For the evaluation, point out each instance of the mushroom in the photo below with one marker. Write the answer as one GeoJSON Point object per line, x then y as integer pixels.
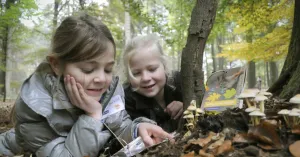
{"type": "Point", "coordinates": [285, 114]}
{"type": "Point", "coordinates": [251, 109]}
{"type": "Point", "coordinates": [190, 126]}
{"type": "Point", "coordinates": [261, 99]}
{"type": "Point", "coordinates": [296, 100]}
{"type": "Point", "coordinates": [255, 115]}
{"type": "Point", "coordinates": [186, 112]}
{"type": "Point", "coordinates": [293, 118]}
{"type": "Point", "coordinates": [267, 94]}
{"type": "Point", "coordinates": [191, 108]}
{"type": "Point", "coordinates": [246, 95]}
{"type": "Point", "coordinates": [199, 112]}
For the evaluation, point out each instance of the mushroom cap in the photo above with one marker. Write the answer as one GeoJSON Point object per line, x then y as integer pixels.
{"type": "Point", "coordinates": [191, 108]}
{"type": "Point", "coordinates": [294, 114]}
{"type": "Point", "coordinates": [296, 110]}
{"type": "Point", "coordinates": [186, 112]}
{"type": "Point", "coordinates": [260, 98]}
{"type": "Point", "coordinates": [295, 99]}
{"type": "Point", "coordinates": [185, 117]}
{"type": "Point", "coordinates": [248, 93]}
{"type": "Point", "coordinates": [189, 124]}
{"type": "Point", "coordinates": [265, 93]}
{"type": "Point", "coordinates": [197, 114]}
{"type": "Point", "coordinates": [193, 103]}
{"type": "Point", "coordinates": [284, 112]}
{"type": "Point", "coordinates": [251, 109]}
{"type": "Point", "coordinates": [199, 110]}
{"type": "Point", "coordinates": [257, 113]}
{"type": "Point", "coordinates": [190, 116]}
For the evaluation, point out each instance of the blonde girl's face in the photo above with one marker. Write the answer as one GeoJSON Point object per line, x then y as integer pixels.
{"type": "Point", "coordinates": [94, 75]}
{"type": "Point", "coordinates": [148, 71]}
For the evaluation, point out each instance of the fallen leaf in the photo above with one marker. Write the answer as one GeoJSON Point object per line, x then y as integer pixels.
{"type": "Point", "coordinates": [294, 149]}
{"type": "Point", "coordinates": [225, 148]}
{"type": "Point", "coordinates": [202, 153]}
{"type": "Point", "coordinates": [296, 130]}
{"type": "Point", "coordinates": [202, 141]}
{"type": "Point", "coordinates": [265, 133]}
{"type": "Point", "coordinates": [217, 143]}
{"type": "Point", "coordinates": [242, 138]}
{"type": "Point", "coordinates": [190, 154]}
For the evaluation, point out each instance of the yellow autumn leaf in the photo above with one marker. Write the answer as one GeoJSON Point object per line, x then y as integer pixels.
{"type": "Point", "coordinates": [213, 97]}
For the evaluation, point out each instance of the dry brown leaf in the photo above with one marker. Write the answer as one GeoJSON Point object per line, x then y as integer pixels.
{"type": "Point", "coordinates": [190, 154]}
{"type": "Point", "coordinates": [202, 153]}
{"type": "Point", "coordinates": [241, 138]}
{"type": "Point", "coordinates": [296, 130]}
{"type": "Point", "coordinates": [265, 133]}
{"type": "Point", "coordinates": [294, 149]}
{"type": "Point", "coordinates": [224, 148]}
{"type": "Point", "coordinates": [202, 141]}
{"type": "Point", "coordinates": [217, 143]}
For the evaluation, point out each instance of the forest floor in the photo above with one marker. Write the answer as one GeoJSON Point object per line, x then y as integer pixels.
{"type": "Point", "coordinates": [229, 134]}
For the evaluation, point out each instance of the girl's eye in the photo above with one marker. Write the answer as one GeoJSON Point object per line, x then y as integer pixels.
{"type": "Point", "coordinates": [136, 73]}
{"type": "Point", "coordinates": [108, 71]}
{"type": "Point", "coordinates": [87, 71]}
{"type": "Point", "coordinates": [152, 69]}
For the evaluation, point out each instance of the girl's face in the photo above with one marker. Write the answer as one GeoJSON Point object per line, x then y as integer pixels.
{"type": "Point", "coordinates": [94, 75]}
{"type": "Point", "coordinates": [149, 72]}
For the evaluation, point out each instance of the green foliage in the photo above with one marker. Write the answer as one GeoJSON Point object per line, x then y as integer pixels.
{"type": "Point", "coordinates": [271, 26]}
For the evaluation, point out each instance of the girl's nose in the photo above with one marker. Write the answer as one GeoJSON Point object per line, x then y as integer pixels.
{"type": "Point", "coordinates": [145, 76]}
{"type": "Point", "coordinates": [100, 77]}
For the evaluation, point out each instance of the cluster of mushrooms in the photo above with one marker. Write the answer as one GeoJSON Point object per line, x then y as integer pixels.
{"type": "Point", "coordinates": [192, 114]}
{"type": "Point", "coordinates": [254, 99]}
{"type": "Point", "coordinates": [292, 117]}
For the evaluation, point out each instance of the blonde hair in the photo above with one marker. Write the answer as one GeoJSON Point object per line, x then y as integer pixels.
{"type": "Point", "coordinates": [137, 44]}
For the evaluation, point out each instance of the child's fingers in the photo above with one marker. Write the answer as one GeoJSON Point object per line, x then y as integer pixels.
{"type": "Point", "coordinates": [69, 88]}
{"type": "Point", "coordinates": [179, 113]}
{"type": "Point", "coordinates": [75, 92]}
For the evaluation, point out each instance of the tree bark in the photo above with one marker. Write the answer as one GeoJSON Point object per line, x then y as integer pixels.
{"type": "Point", "coordinates": [287, 85]}
{"type": "Point", "coordinates": [273, 72]}
{"type": "Point", "coordinates": [213, 56]}
{"type": "Point", "coordinates": [202, 19]}
{"type": "Point", "coordinates": [220, 41]}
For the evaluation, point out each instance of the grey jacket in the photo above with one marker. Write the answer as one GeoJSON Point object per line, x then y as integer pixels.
{"type": "Point", "coordinates": [47, 124]}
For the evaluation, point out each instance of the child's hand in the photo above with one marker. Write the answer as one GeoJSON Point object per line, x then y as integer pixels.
{"type": "Point", "coordinates": [152, 134]}
{"type": "Point", "coordinates": [79, 98]}
{"type": "Point", "coordinates": [175, 109]}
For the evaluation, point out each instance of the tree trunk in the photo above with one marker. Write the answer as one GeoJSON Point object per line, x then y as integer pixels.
{"type": "Point", "coordinates": [213, 56]}
{"type": "Point", "coordinates": [221, 61]}
{"type": "Point", "coordinates": [287, 85]}
{"type": "Point", "coordinates": [251, 74]}
{"type": "Point", "coordinates": [127, 27]}
{"type": "Point", "coordinates": [3, 83]}
{"type": "Point", "coordinates": [268, 75]}
{"type": "Point", "coordinates": [202, 19]}
{"type": "Point", "coordinates": [55, 15]}
{"type": "Point", "coordinates": [273, 72]}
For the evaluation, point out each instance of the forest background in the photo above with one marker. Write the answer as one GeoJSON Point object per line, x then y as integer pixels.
{"type": "Point", "coordinates": [252, 32]}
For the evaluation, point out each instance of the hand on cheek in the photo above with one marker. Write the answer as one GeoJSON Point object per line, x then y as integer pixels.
{"type": "Point", "coordinates": [79, 98]}
{"type": "Point", "coordinates": [175, 109]}
{"type": "Point", "coordinates": [152, 134]}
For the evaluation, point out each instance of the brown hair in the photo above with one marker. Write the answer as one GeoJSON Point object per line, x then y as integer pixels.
{"type": "Point", "coordinates": [80, 38]}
